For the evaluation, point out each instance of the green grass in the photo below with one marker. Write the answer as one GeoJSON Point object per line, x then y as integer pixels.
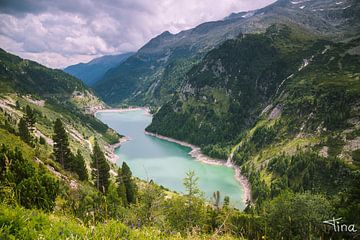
{"type": "Point", "coordinates": [15, 141]}
{"type": "Point", "coordinates": [19, 223]}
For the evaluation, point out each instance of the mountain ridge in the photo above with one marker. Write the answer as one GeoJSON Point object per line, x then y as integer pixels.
{"type": "Point", "coordinates": [142, 80]}
{"type": "Point", "coordinates": [94, 70]}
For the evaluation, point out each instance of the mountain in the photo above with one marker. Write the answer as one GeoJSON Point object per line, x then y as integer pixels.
{"type": "Point", "coordinates": [94, 70]}
{"type": "Point", "coordinates": [283, 105]}
{"type": "Point", "coordinates": [54, 93]}
{"type": "Point", "coordinates": [155, 73]}
{"type": "Point", "coordinates": [25, 76]}
{"type": "Point", "coordinates": [44, 117]}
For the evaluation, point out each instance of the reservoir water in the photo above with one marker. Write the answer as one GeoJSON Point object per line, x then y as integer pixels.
{"type": "Point", "coordinates": [166, 163]}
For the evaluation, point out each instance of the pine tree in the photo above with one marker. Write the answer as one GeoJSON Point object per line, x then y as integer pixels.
{"type": "Point", "coordinates": [78, 166]}
{"type": "Point", "coordinates": [121, 188]}
{"type": "Point", "coordinates": [191, 185]}
{"type": "Point", "coordinates": [17, 104]}
{"type": "Point", "coordinates": [24, 132]}
{"type": "Point", "coordinates": [130, 186]}
{"type": "Point", "coordinates": [100, 169]}
{"type": "Point", "coordinates": [30, 118]}
{"type": "Point", "coordinates": [61, 145]}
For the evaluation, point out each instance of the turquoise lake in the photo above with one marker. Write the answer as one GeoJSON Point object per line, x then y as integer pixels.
{"type": "Point", "coordinates": [165, 162]}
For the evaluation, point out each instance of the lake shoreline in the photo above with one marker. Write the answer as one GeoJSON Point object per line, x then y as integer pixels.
{"type": "Point", "coordinates": [195, 151]}
{"type": "Point", "coordinates": [201, 157]}
{"type": "Point", "coordinates": [112, 110]}
{"type": "Point", "coordinates": [111, 148]}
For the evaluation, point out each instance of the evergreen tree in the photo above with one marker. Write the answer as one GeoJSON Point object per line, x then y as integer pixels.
{"type": "Point", "coordinates": [226, 202]}
{"type": "Point", "coordinates": [191, 185]}
{"type": "Point", "coordinates": [17, 104]}
{"type": "Point", "coordinates": [42, 140]}
{"type": "Point", "coordinates": [130, 186]}
{"type": "Point", "coordinates": [78, 166]}
{"type": "Point", "coordinates": [30, 118]}
{"type": "Point", "coordinates": [113, 201]}
{"type": "Point", "coordinates": [121, 187]}
{"type": "Point", "coordinates": [100, 169]}
{"type": "Point", "coordinates": [61, 145]}
{"type": "Point", "coordinates": [24, 132]}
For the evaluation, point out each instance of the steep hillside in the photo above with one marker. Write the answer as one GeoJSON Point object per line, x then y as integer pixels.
{"type": "Point", "coordinates": [224, 94]}
{"type": "Point", "coordinates": [52, 94]}
{"type": "Point", "coordinates": [94, 70]}
{"type": "Point", "coordinates": [156, 71]}
{"type": "Point", "coordinates": [52, 162]}
{"type": "Point", "coordinates": [283, 105]}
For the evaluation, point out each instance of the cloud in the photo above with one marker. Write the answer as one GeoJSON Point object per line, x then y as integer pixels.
{"type": "Point", "coordinates": [59, 33]}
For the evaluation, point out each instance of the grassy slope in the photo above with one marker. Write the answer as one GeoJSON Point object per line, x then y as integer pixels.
{"type": "Point", "coordinates": [31, 224]}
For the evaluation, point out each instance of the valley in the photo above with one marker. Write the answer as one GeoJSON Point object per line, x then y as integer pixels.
{"type": "Point", "coordinates": [167, 163]}
{"type": "Point", "coordinates": [247, 127]}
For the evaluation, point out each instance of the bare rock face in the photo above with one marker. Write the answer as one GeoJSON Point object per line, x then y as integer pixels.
{"type": "Point", "coordinates": [275, 113]}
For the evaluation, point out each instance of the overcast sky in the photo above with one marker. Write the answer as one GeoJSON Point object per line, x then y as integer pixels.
{"type": "Point", "coordinates": [58, 33]}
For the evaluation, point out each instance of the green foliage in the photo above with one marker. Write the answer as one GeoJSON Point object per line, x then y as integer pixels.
{"type": "Point", "coordinates": [191, 185]}
{"type": "Point", "coordinates": [149, 210]}
{"type": "Point", "coordinates": [335, 145]}
{"type": "Point", "coordinates": [24, 132]}
{"type": "Point", "coordinates": [38, 79]}
{"type": "Point", "coordinates": [33, 188]}
{"type": "Point", "coordinates": [42, 140]}
{"type": "Point", "coordinates": [19, 223]}
{"type": "Point", "coordinates": [77, 165]}
{"type": "Point", "coordinates": [297, 216]}
{"type": "Point", "coordinates": [100, 169]}
{"type": "Point", "coordinates": [61, 145]}
{"type": "Point", "coordinates": [348, 204]}
{"type": "Point", "coordinates": [216, 151]}
{"type": "Point", "coordinates": [309, 172]}
{"type": "Point", "coordinates": [125, 178]}
{"type": "Point", "coordinates": [356, 156]}
{"type": "Point", "coordinates": [121, 188]}
{"type": "Point", "coordinates": [183, 216]}
{"type": "Point", "coordinates": [260, 190]}
{"type": "Point", "coordinates": [262, 137]}
{"type": "Point", "coordinates": [225, 93]}
{"type": "Point", "coordinates": [27, 125]}
{"type": "Point", "coordinates": [38, 191]}
{"type": "Point", "coordinates": [30, 118]}
{"type": "Point", "coordinates": [113, 202]}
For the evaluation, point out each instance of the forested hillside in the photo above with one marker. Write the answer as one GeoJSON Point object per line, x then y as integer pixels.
{"type": "Point", "coordinates": [283, 105]}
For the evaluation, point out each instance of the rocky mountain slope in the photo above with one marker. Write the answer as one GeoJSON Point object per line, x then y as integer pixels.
{"type": "Point", "coordinates": [94, 70]}
{"type": "Point", "coordinates": [157, 70]}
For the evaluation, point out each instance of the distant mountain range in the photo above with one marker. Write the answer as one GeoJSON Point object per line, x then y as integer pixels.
{"type": "Point", "coordinates": [94, 70]}
{"type": "Point", "coordinates": [155, 73]}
